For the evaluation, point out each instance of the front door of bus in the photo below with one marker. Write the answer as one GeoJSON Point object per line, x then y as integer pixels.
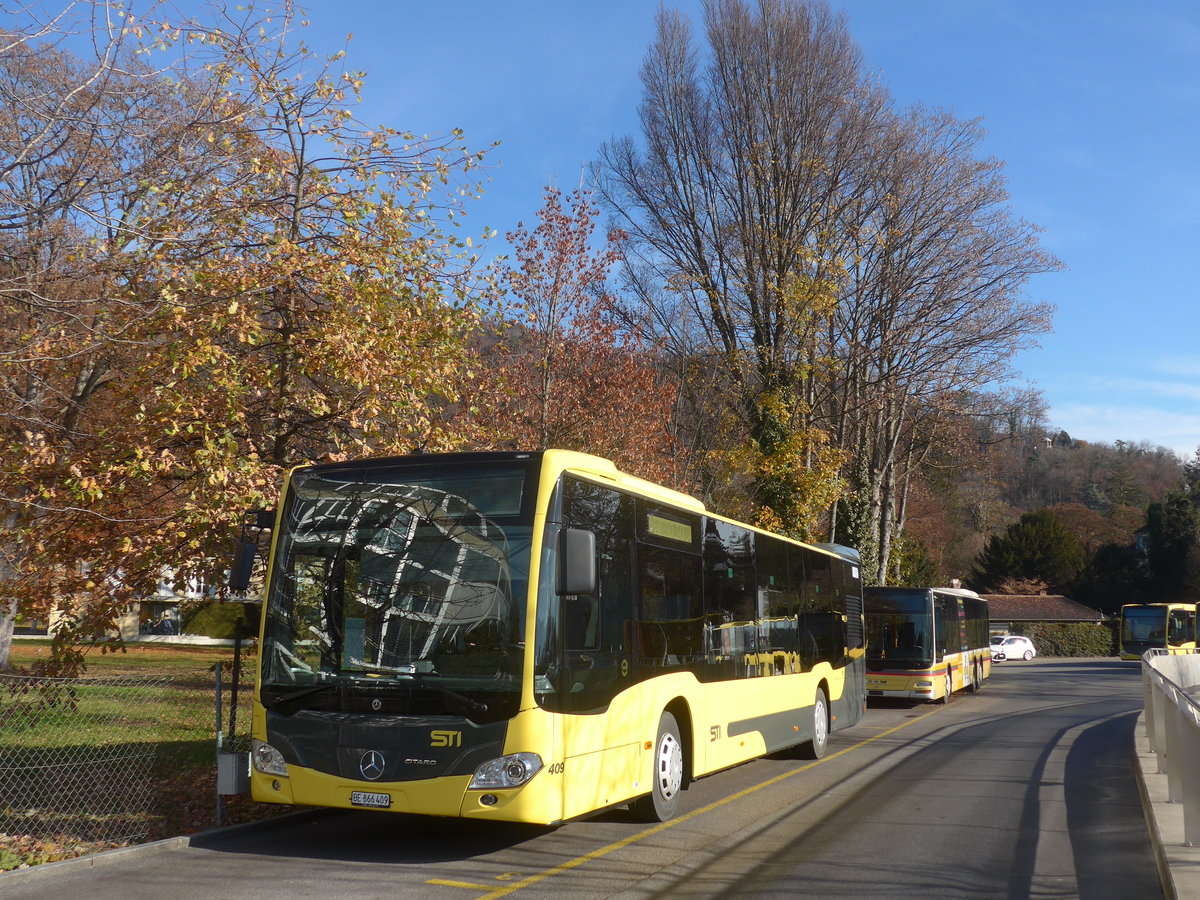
{"type": "Point", "coordinates": [599, 754]}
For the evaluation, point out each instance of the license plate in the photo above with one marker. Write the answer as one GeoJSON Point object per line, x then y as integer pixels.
{"type": "Point", "coordinates": [366, 798]}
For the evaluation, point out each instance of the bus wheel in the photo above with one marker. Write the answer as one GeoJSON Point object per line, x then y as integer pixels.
{"type": "Point", "coordinates": [662, 801]}
{"type": "Point", "coordinates": [949, 687]}
{"type": "Point", "coordinates": [976, 679]}
{"type": "Point", "coordinates": [815, 748]}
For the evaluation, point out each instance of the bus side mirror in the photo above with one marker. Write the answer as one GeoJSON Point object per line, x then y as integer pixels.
{"type": "Point", "coordinates": [576, 562]}
{"type": "Point", "coordinates": [243, 565]}
{"type": "Point", "coordinates": [247, 549]}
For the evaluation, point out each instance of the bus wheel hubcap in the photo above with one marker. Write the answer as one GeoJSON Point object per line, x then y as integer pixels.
{"type": "Point", "coordinates": [670, 766]}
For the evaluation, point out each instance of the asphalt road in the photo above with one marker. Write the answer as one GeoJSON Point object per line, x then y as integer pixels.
{"type": "Point", "coordinates": [1024, 790]}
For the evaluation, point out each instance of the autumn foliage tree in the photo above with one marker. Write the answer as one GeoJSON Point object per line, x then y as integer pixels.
{"type": "Point", "coordinates": [254, 279]}
{"type": "Point", "coordinates": [560, 371]}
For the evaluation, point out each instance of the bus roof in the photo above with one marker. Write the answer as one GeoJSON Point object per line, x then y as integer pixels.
{"type": "Point", "coordinates": [956, 592]}
{"type": "Point", "coordinates": [558, 461]}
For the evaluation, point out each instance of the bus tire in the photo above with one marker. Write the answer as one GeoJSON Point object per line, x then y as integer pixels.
{"type": "Point", "coordinates": [976, 679]}
{"type": "Point", "coordinates": [949, 687]}
{"type": "Point", "coordinates": [667, 781]}
{"type": "Point", "coordinates": [816, 748]}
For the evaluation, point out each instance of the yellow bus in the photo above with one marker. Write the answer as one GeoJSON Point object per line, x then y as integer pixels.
{"type": "Point", "coordinates": [532, 637]}
{"type": "Point", "coordinates": [1164, 625]}
{"type": "Point", "coordinates": [925, 643]}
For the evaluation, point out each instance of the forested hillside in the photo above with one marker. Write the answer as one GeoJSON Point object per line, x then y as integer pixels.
{"type": "Point", "coordinates": [1102, 495]}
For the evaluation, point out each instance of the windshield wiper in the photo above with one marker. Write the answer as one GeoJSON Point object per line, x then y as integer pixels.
{"type": "Point", "coordinates": [410, 671]}
{"type": "Point", "coordinates": [305, 691]}
{"type": "Point", "coordinates": [469, 702]}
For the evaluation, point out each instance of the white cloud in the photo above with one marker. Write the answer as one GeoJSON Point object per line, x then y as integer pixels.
{"type": "Point", "coordinates": [1108, 423]}
{"type": "Point", "coordinates": [1146, 388]}
{"type": "Point", "coordinates": [1181, 366]}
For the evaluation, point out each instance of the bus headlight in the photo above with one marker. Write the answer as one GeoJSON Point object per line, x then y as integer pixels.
{"type": "Point", "coordinates": [267, 759]}
{"type": "Point", "coordinates": [506, 772]}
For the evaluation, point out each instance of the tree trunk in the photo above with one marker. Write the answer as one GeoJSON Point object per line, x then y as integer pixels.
{"type": "Point", "coordinates": [8, 619]}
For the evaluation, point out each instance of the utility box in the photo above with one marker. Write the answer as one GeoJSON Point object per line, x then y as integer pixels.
{"type": "Point", "coordinates": [233, 773]}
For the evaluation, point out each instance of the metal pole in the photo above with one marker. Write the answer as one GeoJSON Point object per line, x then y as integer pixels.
{"type": "Point", "coordinates": [1159, 718]}
{"type": "Point", "coordinates": [237, 673]}
{"type": "Point", "coordinates": [1148, 701]}
{"type": "Point", "coordinates": [1175, 724]}
{"type": "Point", "coordinates": [1189, 741]}
{"type": "Point", "coordinates": [220, 801]}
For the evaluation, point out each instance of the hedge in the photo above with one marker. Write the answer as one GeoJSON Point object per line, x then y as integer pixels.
{"type": "Point", "coordinates": [1076, 639]}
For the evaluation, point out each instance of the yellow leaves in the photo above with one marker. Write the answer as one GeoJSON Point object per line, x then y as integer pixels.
{"type": "Point", "coordinates": [253, 326]}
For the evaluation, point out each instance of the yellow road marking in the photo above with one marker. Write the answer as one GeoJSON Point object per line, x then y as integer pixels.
{"type": "Point", "coordinates": [442, 882]}
{"type": "Point", "coordinates": [671, 823]}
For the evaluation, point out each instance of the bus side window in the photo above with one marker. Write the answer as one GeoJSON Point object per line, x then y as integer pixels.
{"type": "Point", "coordinates": [1179, 630]}
{"type": "Point", "coordinates": [580, 613]}
{"type": "Point", "coordinates": [671, 626]}
{"type": "Point", "coordinates": [730, 600]}
{"type": "Point", "coordinates": [820, 632]}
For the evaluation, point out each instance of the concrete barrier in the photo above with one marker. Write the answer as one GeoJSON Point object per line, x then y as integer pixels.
{"type": "Point", "coordinates": [1169, 769]}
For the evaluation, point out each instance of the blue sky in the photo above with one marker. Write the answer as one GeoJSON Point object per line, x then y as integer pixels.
{"type": "Point", "coordinates": [1094, 106]}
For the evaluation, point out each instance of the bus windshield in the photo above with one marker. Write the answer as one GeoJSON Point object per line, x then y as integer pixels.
{"type": "Point", "coordinates": [403, 585]}
{"type": "Point", "coordinates": [899, 629]}
{"type": "Point", "coordinates": [1145, 624]}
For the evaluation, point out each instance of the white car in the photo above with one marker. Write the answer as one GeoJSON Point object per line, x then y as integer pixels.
{"type": "Point", "coordinates": [1012, 646]}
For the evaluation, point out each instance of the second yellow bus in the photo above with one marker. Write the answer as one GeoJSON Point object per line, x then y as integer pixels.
{"type": "Point", "coordinates": [925, 643]}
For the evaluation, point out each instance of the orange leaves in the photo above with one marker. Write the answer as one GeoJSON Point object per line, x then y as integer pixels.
{"type": "Point", "coordinates": [560, 372]}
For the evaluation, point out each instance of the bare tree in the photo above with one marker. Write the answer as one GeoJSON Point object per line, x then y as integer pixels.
{"type": "Point", "coordinates": [932, 312]}
{"type": "Point", "coordinates": [839, 273]}
{"type": "Point", "coordinates": [732, 206]}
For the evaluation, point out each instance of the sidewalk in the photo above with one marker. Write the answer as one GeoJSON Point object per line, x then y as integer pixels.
{"type": "Point", "coordinates": [1178, 866]}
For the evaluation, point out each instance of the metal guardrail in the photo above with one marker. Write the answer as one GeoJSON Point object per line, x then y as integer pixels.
{"type": "Point", "coordinates": [1170, 681]}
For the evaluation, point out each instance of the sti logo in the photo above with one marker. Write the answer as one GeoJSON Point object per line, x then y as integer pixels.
{"type": "Point", "coordinates": [445, 739]}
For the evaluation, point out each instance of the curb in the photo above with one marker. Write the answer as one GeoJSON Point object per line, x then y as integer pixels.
{"type": "Point", "coordinates": [15, 878]}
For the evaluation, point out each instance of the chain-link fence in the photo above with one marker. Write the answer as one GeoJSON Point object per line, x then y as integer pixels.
{"type": "Point", "coordinates": [100, 762]}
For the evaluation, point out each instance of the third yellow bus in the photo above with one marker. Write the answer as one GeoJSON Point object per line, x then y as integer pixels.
{"type": "Point", "coordinates": [1170, 626]}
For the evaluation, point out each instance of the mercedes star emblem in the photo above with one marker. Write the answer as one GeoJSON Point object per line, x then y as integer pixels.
{"type": "Point", "coordinates": [377, 704]}
{"type": "Point", "coordinates": [371, 765]}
